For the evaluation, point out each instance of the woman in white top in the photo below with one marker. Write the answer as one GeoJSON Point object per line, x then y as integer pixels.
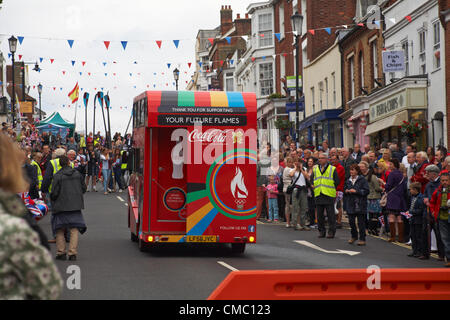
{"type": "Point", "coordinates": [287, 180]}
{"type": "Point", "coordinates": [300, 217]}
{"type": "Point", "coordinates": [106, 170]}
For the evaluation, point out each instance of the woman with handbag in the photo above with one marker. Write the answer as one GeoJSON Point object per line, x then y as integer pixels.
{"type": "Point", "coordinates": [395, 201]}
{"type": "Point", "coordinates": [299, 197]}
{"type": "Point", "coordinates": [287, 180]}
{"type": "Point", "coordinates": [356, 190]}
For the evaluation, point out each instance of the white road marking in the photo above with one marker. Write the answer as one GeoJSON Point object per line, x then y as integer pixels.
{"type": "Point", "coordinates": [118, 197]}
{"type": "Point", "coordinates": [313, 246]}
{"type": "Point", "coordinates": [226, 265]}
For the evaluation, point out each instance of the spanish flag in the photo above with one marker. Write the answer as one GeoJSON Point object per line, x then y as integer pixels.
{"type": "Point", "coordinates": [73, 95]}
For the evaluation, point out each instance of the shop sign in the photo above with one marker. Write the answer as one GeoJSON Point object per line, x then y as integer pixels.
{"type": "Point", "coordinates": [290, 82]}
{"type": "Point", "coordinates": [387, 106]}
{"type": "Point", "coordinates": [393, 61]}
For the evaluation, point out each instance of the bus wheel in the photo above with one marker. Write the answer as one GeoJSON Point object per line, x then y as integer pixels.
{"type": "Point", "coordinates": [238, 247]}
{"type": "Point", "coordinates": [134, 237]}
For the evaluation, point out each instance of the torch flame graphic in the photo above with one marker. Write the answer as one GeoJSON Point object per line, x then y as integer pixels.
{"type": "Point", "coordinates": [238, 188]}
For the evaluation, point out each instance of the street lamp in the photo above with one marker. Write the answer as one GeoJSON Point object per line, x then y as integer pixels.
{"type": "Point", "coordinates": [40, 107]}
{"type": "Point", "coordinates": [12, 48]}
{"type": "Point", "coordinates": [297, 24]}
{"type": "Point", "coordinates": [176, 76]}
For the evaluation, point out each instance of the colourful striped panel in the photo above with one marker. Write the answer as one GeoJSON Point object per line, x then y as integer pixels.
{"type": "Point", "coordinates": [235, 100]}
{"type": "Point", "coordinates": [204, 223]}
{"type": "Point", "coordinates": [194, 218]}
{"type": "Point", "coordinates": [202, 99]}
{"type": "Point", "coordinates": [186, 99]}
{"type": "Point", "coordinates": [194, 196]}
{"type": "Point", "coordinates": [169, 99]}
{"type": "Point", "coordinates": [219, 99]}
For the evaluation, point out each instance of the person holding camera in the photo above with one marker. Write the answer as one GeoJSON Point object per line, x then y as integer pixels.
{"type": "Point", "coordinates": [299, 212]}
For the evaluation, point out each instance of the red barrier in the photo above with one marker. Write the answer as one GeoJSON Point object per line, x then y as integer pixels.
{"type": "Point", "coordinates": [343, 284]}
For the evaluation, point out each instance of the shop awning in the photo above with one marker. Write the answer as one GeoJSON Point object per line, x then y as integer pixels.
{"type": "Point", "coordinates": [330, 114]}
{"type": "Point", "coordinates": [394, 120]}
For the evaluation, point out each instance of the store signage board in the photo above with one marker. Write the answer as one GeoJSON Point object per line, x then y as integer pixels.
{"type": "Point", "coordinates": [388, 106]}
{"type": "Point", "coordinates": [393, 61]}
{"type": "Point", "coordinates": [290, 82]}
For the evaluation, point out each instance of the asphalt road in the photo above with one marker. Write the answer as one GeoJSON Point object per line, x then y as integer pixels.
{"type": "Point", "coordinates": [112, 267]}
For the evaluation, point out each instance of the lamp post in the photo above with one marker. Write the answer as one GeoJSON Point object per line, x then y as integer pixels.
{"type": "Point", "coordinates": [40, 106]}
{"type": "Point", "coordinates": [176, 76]}
{"type": "Point", "coordinates": [297, 23]}
{"type": "Point", "coordinates": [12, 48]}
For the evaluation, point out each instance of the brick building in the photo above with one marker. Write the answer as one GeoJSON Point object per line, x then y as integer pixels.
{"type": "Point", "coordinates": [226, 44]}
{"type": "Point", "coordinates": [444, 14]}
{"type": "Point", "coordinates": [362, 75]}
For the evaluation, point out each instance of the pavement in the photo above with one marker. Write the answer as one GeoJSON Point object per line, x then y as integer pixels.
{"type": "Point", "coordinates": [112, 267]}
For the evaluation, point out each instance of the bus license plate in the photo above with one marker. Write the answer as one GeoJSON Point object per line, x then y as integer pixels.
{"type": "Point", "coordinates": [201, 239]}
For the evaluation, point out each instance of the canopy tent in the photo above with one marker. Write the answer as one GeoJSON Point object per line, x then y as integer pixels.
{"type": "Point", "coordinates": [55, 119]}
{"type": "Point", "coordinates": [54, 129]}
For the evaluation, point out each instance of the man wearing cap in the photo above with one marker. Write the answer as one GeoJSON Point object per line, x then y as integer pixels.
{"type": "Point", "coordinates": [432, 173]}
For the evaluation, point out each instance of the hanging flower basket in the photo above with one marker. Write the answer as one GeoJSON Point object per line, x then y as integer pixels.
{"type": "Point", "coordinates": [413, 129]}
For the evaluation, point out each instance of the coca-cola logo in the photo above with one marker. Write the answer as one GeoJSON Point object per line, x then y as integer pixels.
{"type": "Point", "coordinates": [214, 135]}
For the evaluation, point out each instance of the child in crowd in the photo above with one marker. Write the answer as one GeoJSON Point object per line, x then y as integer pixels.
{"type": "Point", "coordinates": [272, 195]}
{"type": "Point", "coordinates": [417, 210]}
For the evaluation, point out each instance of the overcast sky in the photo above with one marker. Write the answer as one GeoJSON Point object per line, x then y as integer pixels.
{"type": "Point", "coordinates": [46, 25]}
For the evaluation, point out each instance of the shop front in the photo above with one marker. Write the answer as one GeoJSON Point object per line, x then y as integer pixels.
{"type": "Point", "coordinates": [324, 125]}
{"type": "Point", "coordinates": [399, 113]}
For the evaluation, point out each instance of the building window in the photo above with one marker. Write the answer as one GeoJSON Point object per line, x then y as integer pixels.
{"type": "Point", "coordinates": [265, 33]}
{"type": "Point", "coordinates": [320, 95]}
{"type": "Point", "coordinates": [361, 73]}
{"type": "Point", "coordinates": [352, 77]}
{"type": "Point", "coordinates": [313, 100]}
{"type": "Point", "coordinates": [281, 19]}
{"type": "Point", "coordinates": [436, 44]}
{"type": "Point", "coordinates": [374, 62]}
{"type": "Point", "coordinates": [405, 47]}
{"type": "Point", "coordinates": [326, 93]}
{"type": "Point", "coordinates": [229, 82]}
{"type": "Point", "coordinates": [282, 67]}
{"type": "Point", "coordinates": [333, 79]}
{"type": "Point", "coordinates": [266, 78]}
{"type": "Point", "coordinates": [422, 54]}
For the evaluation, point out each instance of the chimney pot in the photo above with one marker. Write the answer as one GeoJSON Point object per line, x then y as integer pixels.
{"type": "Point", "coordinates": [238, 16]}
{"type": "Point", "coordinates": [246, 16]}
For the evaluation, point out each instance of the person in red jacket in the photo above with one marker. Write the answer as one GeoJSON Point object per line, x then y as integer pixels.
{"type": "Point", "coordinates": [419, 176]}
{"type": "Point", "coordinates": [439, 207]}
{"type": "Point", "coordinates": [339, 189]}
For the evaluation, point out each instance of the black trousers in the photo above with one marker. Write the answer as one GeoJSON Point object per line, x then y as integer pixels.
{"type": "Point", "coordinates": [432, 224]}
{"type": "Point", "coordinates": [417, 239]}
{"type": "Point", "coordinates": [321, 218]}
{"type": "Point", "coordinates": [361, 225]}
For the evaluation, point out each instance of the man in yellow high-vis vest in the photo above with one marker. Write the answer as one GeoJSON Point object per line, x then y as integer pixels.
{"type": "Point", "coordinates": [37, 156]}
{"type": "Point", "coordinates": [325, 180]}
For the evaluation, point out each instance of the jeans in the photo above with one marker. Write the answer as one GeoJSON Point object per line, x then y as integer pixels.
{"type": "Point", "coordinates": [106, 174]}
{"type": "Point", "coordinates": [273, 209]}
{"type": "Point", "coordinates": [361, 226]}
{"type": "Point", "coordinates": [444, 229]}
{"type": "Point", "coordinates": [118, 177]}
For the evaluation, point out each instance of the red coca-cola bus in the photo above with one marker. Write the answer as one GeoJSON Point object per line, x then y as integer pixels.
{"type": "Point", "coordinates": [194, 168]}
